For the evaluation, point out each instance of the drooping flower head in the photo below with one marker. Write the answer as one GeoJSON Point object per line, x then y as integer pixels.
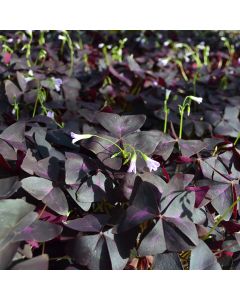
{"type": "Point", "coordinates": [167, 93]}
{"type": "Point", "coordinates": [132, 167]}
{"type": "Point", "coordinates": [152, 164]}
{"type": "Point", "coordinates": [78, 137]}
{"type": "Point", "coordinates": [196, 99]}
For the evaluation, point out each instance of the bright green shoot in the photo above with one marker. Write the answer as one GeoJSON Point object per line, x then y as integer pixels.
{"type": "Point", "coordinates": [221, 218]}
{"type": "Point", "coordinates": [230, 47]}
{"type": "Point", "coordinates": [117, 50]}
{"type": "Point", "coordinates": [27, 48]}
{"type": "Point", "coordinates": [166, 110]}
{"type": "Point", "coordinates": [41, 99]}
{"type": "Point", "coordinates": [186, 105]}
{"type": "Point", "coordinates": [67, 39]}
{"type": "Point", "coordinates": [237, 139]}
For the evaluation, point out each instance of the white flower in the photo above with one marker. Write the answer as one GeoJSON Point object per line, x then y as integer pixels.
{"type": "Point", "coordinates": [151, 163]}
{"type": "Point", "coordinates": [201, 46]}
{"type": "Point", "coordinates": [62, 37]}
{"type": "Point", "coordinates": [168, 92]}
{"type": "Point", "coordinates": [178, 45]}
{"type": "Point", "coordinates": [163, 61]}
{"type": "Point", "coordinates": [57, 83]}
{"type": "Point", "coordinates": [30, 77]}
{"type": "Point", "coordinates": [196, 99]}
{"type": "Point", "coordinates": [29, 32]}
{"type": "Point", "coordinates": [132, 167]}
{"type": "Point", "coordinates": [78, 137]}
{"type": "Point", "coordinates": [30, 72]}
{"type": "Point", "coordinates": [166, 43]}
{"type": "Point", "coordinates": [50, 114]}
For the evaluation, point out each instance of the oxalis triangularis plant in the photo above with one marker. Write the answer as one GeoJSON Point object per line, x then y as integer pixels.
{"type": "Point", "coordinates": [129, 153]}
{"type": "Point", "coordinates": [133, 193]}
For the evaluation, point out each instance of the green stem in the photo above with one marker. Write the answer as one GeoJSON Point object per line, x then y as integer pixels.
{"type": "Point", "coordinates": [181, 124]}
{"type": "Point", "coordinates": [221, 218]}
{"type": "Point", "coordinates": [105, 54]}
{"type": "Point", "coordinates": [238, 137]}
{"type": "Point", "coordinates": [184, 75]}
{"type": "Point", "coordinates": [108, 140]}
{"type": "Point", "coordinates": [35, 107]}
{"type": "Point", "coordinates": [165, 121]}
{"type": "Point", "coordinates": [71, 48]}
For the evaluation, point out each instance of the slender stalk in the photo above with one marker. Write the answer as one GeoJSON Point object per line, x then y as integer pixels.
{"type": "Point", "coordinates": [181, 124]}
{"type": "Point", "coordinates": [71, 48]}
{"type": "Point", "coordinates": [237, 138]}
{"type": "Point", "coordinates": [184, 75]}
{"type": "Point", "coordinates": [108, 140]}
{"type": "Point", "coordinates": [165, 121]}
{"type": "Point", "coordinates": [221, 218]}
{"type": "Point", "coordinates": [35, 107]}
{"type": "Point", "coordinates": [42, 211]}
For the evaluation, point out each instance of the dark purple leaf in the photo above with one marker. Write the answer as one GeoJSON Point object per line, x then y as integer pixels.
{"type": "Point", "coordinates": [15, 214]}
{"type": "Point", "coordinates": [8, 186]}
{"type": "Point", "coordinates": [14, 135]}
{"type": "Point", "coordinates": [202, 258]}
{"type": "Point", "coordinates": [154, 242]}
{"type": "Point", "coordinates": [7, 254]}
{"type": "Point", "coordinates": [43, 189]}
{"type": "Point", "coordinates": [120, 126]}
{"type": "Point", "coordinates": [89, 223]}
{"type": "Point", "coordinates": [145, 141]}
{"type": "Point", "coordinates": [77, 167]}
{"type": "Point", "coordinates": [12, 91]}
{"type": "Point", "coordinates": [189, 148]}
{"type": "Point", "coordinates": [37, 187]}
{"type": "Point", "coordinates": [104, 151]}
{"type": "Point", "coordinates": [39, 231]}
{"type": "Point", "coordinates": [37, 263]}
{"type": "Point", "coordinates": [7, 151]}
{"type": "Point", "coordinates": [167, 261]}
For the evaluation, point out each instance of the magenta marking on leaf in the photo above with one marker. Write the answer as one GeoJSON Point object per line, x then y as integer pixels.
{"type": "Point", "coordinates": [33, 244]}
{"type": "Point", "coordinates": [27, 230]}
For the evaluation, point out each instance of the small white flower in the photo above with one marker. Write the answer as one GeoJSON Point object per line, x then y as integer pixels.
{"type": "Point", "coordinates": [101, 45]}
{"type": "Point", "coordinates": [50, 114]}
{"type": "Point", "coordinates": [201, 46]}
{"type": "Point", "coordinates": [27, 79]}
{"type": "Point", "coordinates": [57, 83]}
{"type": "Point", "coordinates": [166, 43]}
{"type": "Point", "coordinates": [30, 72]}
{"type": "Point", "coordinates": [62, 37]}
{"type": "Point", "coordinates": [78, 137]}
{"type": "Point", "coordinates": [196, 99]}
{"type": "Point", "coordinates": [168, 92]}
{"type": "Point", "coordinates": [132, 167]}
{"type": "Point", "coordinates": [151, 163]}
{"type": "Point", "coordinates": [163, 61]}
{"type": "Point", "coordinates": [30, 77]}
{"type": "Point", "coordinates": [178, 45]}
{"type": "Point", "coordinates": [29, 32]}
